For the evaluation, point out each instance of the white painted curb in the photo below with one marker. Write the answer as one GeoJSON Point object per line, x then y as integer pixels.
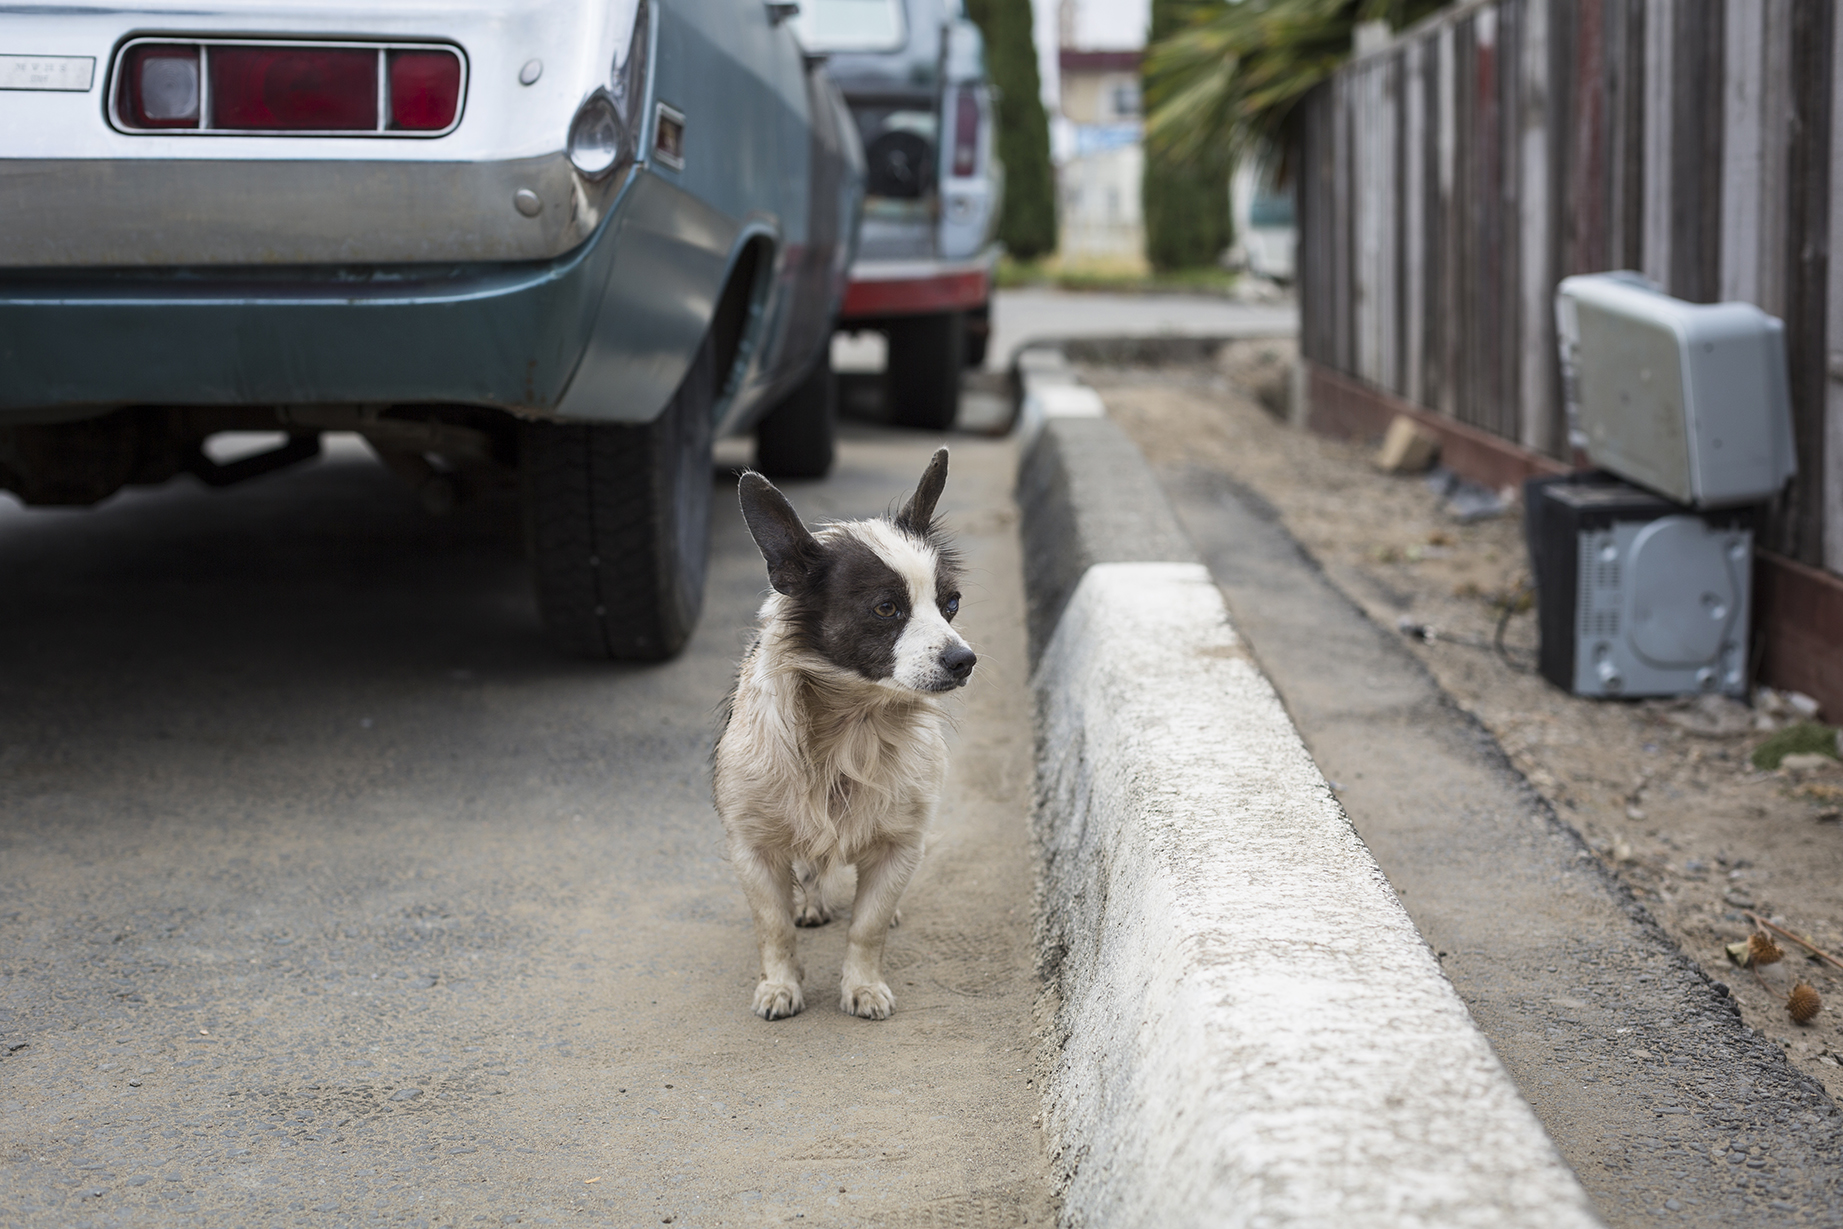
{"type": "Point", "coordinates": [1051, 389]}
{"type": "Point", "coordinates": [1253, 1032]}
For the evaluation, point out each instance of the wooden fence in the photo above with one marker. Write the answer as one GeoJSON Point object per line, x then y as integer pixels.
{"type": "Point", "coordinates": [1450, 180]}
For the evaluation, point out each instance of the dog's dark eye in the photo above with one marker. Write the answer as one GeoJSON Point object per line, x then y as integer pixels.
{"type": "Point", "coordinates": [952, 606]}
{"type": "Point", "coordinates": [886, 610]}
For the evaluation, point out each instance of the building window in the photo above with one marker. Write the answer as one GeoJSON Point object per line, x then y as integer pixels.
{"type": "Point", "coordinates": [1126, 99]}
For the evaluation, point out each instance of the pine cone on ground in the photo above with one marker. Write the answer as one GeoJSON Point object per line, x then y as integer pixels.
{"type": "Point", "coordinates": [1763, 950]}
{"type": "Point", "coordinates": [1803, 1003]}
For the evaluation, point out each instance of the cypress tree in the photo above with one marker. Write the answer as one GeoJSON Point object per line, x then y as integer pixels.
{"type": "Point", "coordinates": [1185, 204]}
{"type": "Point", "coordinates": [1027, 227]}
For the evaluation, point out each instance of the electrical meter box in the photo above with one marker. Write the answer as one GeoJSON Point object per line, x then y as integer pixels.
{"type": "Point", "coordinates": [1637, 596]}
{"type": "Point", "coordinates": [1689, 400]}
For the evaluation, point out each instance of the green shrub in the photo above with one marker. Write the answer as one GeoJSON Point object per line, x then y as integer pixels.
{"type": "Point", "coordinates": [1804, 738]}
{"type": "Point", "coordinates": [1027, 224]}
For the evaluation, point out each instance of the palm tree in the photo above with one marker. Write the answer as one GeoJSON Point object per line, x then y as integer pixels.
{"type": "Point", "coordinates": [1228, 79]}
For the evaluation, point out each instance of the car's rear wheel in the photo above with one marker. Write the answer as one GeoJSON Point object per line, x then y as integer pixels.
{"type": "Point", "coordinates": [618, 522]}
{"type": "Point", "coordinates": [799, 436]}
{"type": "Point", "coordinates": [926, 354]}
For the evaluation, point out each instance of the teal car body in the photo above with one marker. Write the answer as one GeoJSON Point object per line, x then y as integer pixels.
{"type": "Point", "coordinates": [205, 269]}
{"type": "Point", "coordinates": [543, 244]}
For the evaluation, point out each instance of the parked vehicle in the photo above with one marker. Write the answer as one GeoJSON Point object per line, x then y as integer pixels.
{"type": "Point", "coordinates": [1266, 233]}
{"type": "Point", "coordinates": [914, 74]}
{"type": "Point", "coordinates": [539, 241]}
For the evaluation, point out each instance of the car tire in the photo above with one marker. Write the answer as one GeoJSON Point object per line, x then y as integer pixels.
{"type": "Point", "coordinates": [800, 435]}
{"type": "Point", "coordinates": [926, 355]}
{"type": "Point", "coordinates": [618, 524]}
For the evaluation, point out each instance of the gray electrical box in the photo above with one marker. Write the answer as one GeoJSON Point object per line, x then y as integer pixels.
{"type": "Point", "coordinates": [1686, 399]}
{"type": "Point", "coordinates": [1637, 596]}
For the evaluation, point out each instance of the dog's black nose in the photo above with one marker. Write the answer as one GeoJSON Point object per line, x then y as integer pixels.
{"type": "Point", "coordinates": [958, 662]}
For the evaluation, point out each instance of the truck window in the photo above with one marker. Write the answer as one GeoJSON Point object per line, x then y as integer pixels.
{"type": "Point", "coordinates": [851, 25]}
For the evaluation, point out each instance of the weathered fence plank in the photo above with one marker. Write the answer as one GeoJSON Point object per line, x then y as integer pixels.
{"type": "Point", "coordinates": [1452, 179]}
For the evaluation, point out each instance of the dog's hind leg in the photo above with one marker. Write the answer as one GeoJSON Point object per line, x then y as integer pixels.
{"type": "Point", "coordinates": [882, 876]}
{"type": "Point", "coordinates": [810, 895]}
{"type": "Point", "coordinates": [767, 882]}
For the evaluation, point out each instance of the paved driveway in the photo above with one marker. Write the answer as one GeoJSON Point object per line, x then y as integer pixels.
{"type": "Point", "coordinates": [329, 895]}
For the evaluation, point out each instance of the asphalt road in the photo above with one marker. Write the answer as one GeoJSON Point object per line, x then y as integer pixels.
{"type": "Point", "coordinates": [329, 895]}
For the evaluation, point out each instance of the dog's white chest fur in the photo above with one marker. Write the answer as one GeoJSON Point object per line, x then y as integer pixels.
{"type": "Point", "coordinates": [827, 768]}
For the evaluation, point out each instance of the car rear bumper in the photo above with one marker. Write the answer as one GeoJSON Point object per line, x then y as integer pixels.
{"type": "Point", "coordinates": [601, 334]}
{"type": "Point", "coordinates": [74, 213]}
{"type": "Point", "coordinates": [879, 289]}
{"type": "Point", "coordinates": [507, 334]}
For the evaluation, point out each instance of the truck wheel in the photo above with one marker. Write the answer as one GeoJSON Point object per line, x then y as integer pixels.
{"type": "Point", "coordinates": [978, 335]}
{"type": "Point", "coordinates": [798, 437]}
{"type": "Point", "coordinates": [926, 354]}
{"type": "Point", "coordinates": [618, 523]}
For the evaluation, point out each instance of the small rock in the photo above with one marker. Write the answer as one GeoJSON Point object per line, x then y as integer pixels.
{"type": "Point", "coordinates": [406, 1094]}
{"type": "Point", "coordinates": [1407, 448]}
{"type": "Point", "coordinates": [1801, 704]}
{"type": "Point", "coordinates": [140, 1180]}
{"type": "Point", "coordinates": [1807, 761]}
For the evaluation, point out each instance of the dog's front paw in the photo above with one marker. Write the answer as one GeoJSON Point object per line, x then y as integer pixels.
{"type": "Point", "coordinates": [776, 1000]}
{"type": "Point", "coordinates": [873, 1002]}
{"type": "Point", "coordinates": [812, 913]}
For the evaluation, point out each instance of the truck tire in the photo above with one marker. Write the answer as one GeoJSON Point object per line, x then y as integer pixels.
{"type": "Point", "coordinates": [926, 354]}
{"type": "Point", "coordinates": [978, 335]}
{"type": "Point", "coordinates": [618, 524]}
{"type": "Point", "coordinates": [799, 436]}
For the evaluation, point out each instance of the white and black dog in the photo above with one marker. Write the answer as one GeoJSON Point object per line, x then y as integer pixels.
{"type": "Point", "coordinates": [833, 753]}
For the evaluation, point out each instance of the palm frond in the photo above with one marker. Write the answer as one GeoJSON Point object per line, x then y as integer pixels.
{"type": "Point", "coordinates": [1227, 79]}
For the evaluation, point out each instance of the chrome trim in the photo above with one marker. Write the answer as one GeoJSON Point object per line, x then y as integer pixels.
{"type": "Point", "coordinates": [206, 211]}
{"type": "Point", "coordinates": [381, 48]}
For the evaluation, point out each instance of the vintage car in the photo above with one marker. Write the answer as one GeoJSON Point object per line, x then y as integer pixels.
{"type": "Point", "coordinates": [534, 241]}
{"type": "Point", "coordinates": [913, 72]}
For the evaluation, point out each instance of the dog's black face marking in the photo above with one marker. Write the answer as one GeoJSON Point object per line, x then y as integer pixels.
{"type": "Point", "coordinates": [853, 609]}
{"type": "Point", "coordinates": [852, 591]}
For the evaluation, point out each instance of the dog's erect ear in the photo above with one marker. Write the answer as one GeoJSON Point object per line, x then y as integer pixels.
{"type": "Point", "coordinates": [785, 543]}
{"type": "Point", "coordinates": [918, 514]}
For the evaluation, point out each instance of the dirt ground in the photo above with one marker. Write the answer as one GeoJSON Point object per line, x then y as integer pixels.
{"type": "Point", "coordinates": [1663, 791]}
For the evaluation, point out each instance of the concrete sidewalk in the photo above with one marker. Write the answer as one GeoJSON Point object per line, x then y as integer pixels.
{"type": "Point", "coordinates": [1020, 317]}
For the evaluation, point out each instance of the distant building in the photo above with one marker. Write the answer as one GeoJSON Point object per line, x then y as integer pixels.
{"type": "Point", "coordinates": [1098, 178]}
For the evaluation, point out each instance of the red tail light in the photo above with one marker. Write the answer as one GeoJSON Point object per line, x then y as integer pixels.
{"type": "Point", "coordinates": [248, 86]}
{"type": "Point", "coordinates": [425, 89]}
{"type": "Point", "coordinates": [320, 89]}
{"type": "Point", "coordinates": [965, 133]}
{"type": "Point", "coordinates": [159, 86]}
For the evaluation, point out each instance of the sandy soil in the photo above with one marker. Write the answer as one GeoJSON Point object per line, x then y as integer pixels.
{"type": "Point", "coordinates": [1679, 813]}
